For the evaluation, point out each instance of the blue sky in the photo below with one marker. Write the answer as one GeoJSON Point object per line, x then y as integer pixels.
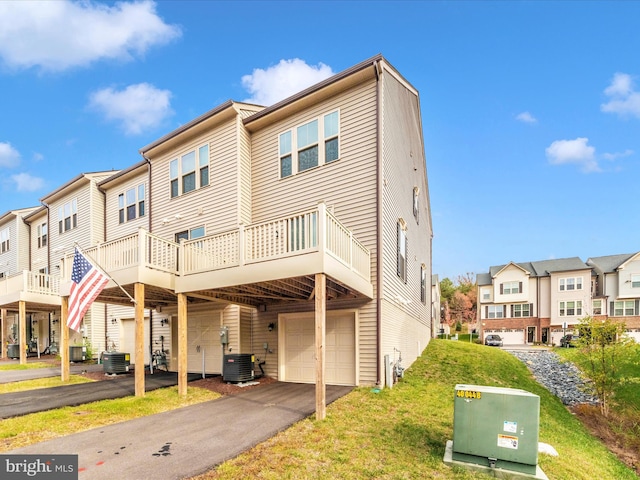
{"type": "Point", "coordinates": [531, 110]}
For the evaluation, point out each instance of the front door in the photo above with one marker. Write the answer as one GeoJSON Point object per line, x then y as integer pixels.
{"type": "Point", "coordinates": [531, 334]}
{"type": "Point", "coordinates": [545, 336]}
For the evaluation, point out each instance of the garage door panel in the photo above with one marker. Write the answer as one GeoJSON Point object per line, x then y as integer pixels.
{"type": "Point", "coordinates": [299, 349]}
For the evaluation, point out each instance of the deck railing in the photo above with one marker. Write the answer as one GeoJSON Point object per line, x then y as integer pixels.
{"type": "Point", "coordinates": [141, 249]}
{"type": "Point", "coordinates": [31, 282]}
{"type": "Point", "coordinates": [304, 232]}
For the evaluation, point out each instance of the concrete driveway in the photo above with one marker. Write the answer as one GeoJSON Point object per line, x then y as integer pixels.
{"type": "Point", "coordinates": [187, 441]}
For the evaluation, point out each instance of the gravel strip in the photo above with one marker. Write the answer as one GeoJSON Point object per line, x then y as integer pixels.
{"type": "Point", "coordinates": [560, 378]}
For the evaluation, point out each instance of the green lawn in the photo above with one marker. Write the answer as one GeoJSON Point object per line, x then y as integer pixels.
{"type": "Point", "coordinates": [26, 366]}
{"type": "Point", "coordinates": [401, 432]}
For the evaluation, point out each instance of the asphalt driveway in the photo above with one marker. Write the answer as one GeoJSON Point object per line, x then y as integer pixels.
{"type": "Point", "coordinates": [39, 400]}
{"type": "Point", "coordinates": [190, 440]}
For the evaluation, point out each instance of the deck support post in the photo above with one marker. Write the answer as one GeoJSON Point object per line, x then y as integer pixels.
{"type": "Point", "coordinates": [64, 339]}
{"type": "Point", "coordinates": [320, 324]}
{"type": "Point", "coordinates": [22, 321]}
{"type": "Point", "coordinates": [139, 339]}
{"type": "Point", "coordinates": [182, 345]}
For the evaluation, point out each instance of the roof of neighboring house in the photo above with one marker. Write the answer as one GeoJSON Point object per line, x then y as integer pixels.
{"type": "Point", "coordinates": [609, 263]}
{"type": "Point", "coordinates": [434, 279]}
{"type": "Point", "coordinates": [123, 174]}
{"type": "Point", "coordinates": [541, 268]}
{"type": "Point", "coordinates": [98, 176]}
{"type": "Point", "coordinates": [18, 212]}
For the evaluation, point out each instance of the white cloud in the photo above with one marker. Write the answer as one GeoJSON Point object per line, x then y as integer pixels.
{"type": "Point", "coordinates": [526, 117]}
{"type": "Point", "coordinates": [27, 183]}
{"type": "Point", "coordinates": [613, 156]}
{"type": "Point", "coordinates": [56, 35]}
{"type": "Point", "coordinates": [283, 80]}
{"type": "Point", "coordinates": [9, 156]}
{"type": "Point", "coordinates": [575, 152]}
{"type": "Point", "coordinates": [624, 100]}
{"type": "Point", "coordinates": [138, 108]}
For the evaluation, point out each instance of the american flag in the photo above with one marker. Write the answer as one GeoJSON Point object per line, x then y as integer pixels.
{"type": "Point", "coordinates": [87, 283]}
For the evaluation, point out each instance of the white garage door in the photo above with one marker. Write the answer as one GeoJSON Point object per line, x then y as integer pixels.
{"type": "Point", "coordinates": [297, 359]}
{"type": "Point", "coordinates": [512, 337]}
{"type": "Point", "coordinates": [128, 339]}
{"type": "Point", "coordinates": [203, 343]}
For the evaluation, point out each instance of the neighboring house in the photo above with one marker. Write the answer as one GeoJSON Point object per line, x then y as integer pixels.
{"type": "Point", "coordinates": [300, 233]}
{"type": "Point", "coordinates": [617, 290]}
{"type": "Point", "coordinates": [540, 301]}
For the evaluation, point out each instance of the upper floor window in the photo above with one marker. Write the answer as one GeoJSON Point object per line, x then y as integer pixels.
{"type": "Point", "coordinates": [42, 234]}
{"type": "Point", "coordinates": [423, 283]}
{"type": "Point", "coordinates": [309, 145]}
{"type": "Point", "coordinates": [68, 216]}
{"type": "Point", "coordinates": [495, 311]}
{"type": "Point", "coordinates": [402, 250]}
{"type": "Point", "coordinates": [4, 240]}
{"type": "Point", "coordinates": [486, 294]}
{"type": "Point", "coordinates": [190, 234]}
{"type": "Point", "coordinates": [597, 307]}
{"type": "Point", "coordinates": [190, 171]}
{"type": "Point", "coordinates": [635, 280]}
{"type": "Point", "coordinates": [571, 308]}
{"type": "Point", "coordinates": [131, 204]}
{"type": "Point", "coordinates": [507, 288]}
{"type": "Point", "coordinates": [521, 310]}
{"type": "Point", "coordinates": [570, 283]}
{"type": "Point", "coordinates": [416, 204]}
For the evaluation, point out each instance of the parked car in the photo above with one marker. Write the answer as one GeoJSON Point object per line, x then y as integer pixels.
{"type": "Point", "coordinates": [569, 340]}
{"type": "Point", "coordinates": [493, 340]}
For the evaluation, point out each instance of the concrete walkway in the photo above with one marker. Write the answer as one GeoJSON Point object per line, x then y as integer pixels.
{"type": "Point", "coordinates": [190, 440]}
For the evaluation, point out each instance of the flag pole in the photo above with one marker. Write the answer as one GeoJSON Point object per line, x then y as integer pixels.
{"type": "Point", "coordinates": [95, 264]}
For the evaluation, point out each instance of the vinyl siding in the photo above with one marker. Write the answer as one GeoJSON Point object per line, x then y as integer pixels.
{"type": "Point", "coordinates": [39, 256]}
{"type": "Point", "coordinates": [9, 259]}
{"type": "Point", "coordinates": [244, 177]}
{"type": "Point", "coordinates": [214, 206]}
{"type": "Point", "coordinates": [404, 168]}
{"type": "Point", "coordinates": [115, 229]}
{"type": "Point", "coordinates": [348, 185]}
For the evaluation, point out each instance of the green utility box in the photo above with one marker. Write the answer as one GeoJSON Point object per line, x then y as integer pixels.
{"type": "Point", "coordinates": [496, 427]}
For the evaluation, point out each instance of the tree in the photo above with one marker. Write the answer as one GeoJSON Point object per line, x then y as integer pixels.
{"type": "Point", "coordinates": [460, 299]}
{"type": "Point", "coordinates": [605, 346]}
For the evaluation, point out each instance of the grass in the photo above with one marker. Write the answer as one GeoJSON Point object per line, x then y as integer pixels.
{"type": "Point", "coordinates": [37, 427]}
{"type": "Point", "coordinates": [623, 424]}
{"type": "Point", "coordinates": [25, 366]}
{"type": "Point", "coordinates": [401, 432]}
{"type": "Point", "coordinates": [47, 382]}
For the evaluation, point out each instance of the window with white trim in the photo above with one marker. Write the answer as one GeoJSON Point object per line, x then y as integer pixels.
{"type": "Point", "coordinates": [131, 204]}
{"type": "Point", "coordinates": [495, 311]}
{"type": "Point", "coordinates": [309, 145]}
{"type": "Point", "coordinates": [521, 310]}
{"type": "Point", "coordinates": [597, 307]}
{"type": "Point", "coordinates": [486, 294]}
{"type": "Point", "coordinates": [508, 288]}
{"type": "Point", "coordinates": [4, 240]}
{"type": "Point", "coordinates": [570, 308]}
{"type": "Point", "coordinates": [402, 250]}
{"type": "Point", "coordinates": [623, 308]}
{"type": "Point", "coordinates": [189, 172]}
{"type": "Point", "coordinates": [42, 233]}
{"type": "Point", "coordinates": [635, 280]}
{"type": "Point", "coordinates": [191, 234]}
{"type": "Point", "coordinates": [570, 283]}
{"type": "Point", "coordinates": [68, 216]}
{"type": "Point", "coordinates": [416, 204]}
